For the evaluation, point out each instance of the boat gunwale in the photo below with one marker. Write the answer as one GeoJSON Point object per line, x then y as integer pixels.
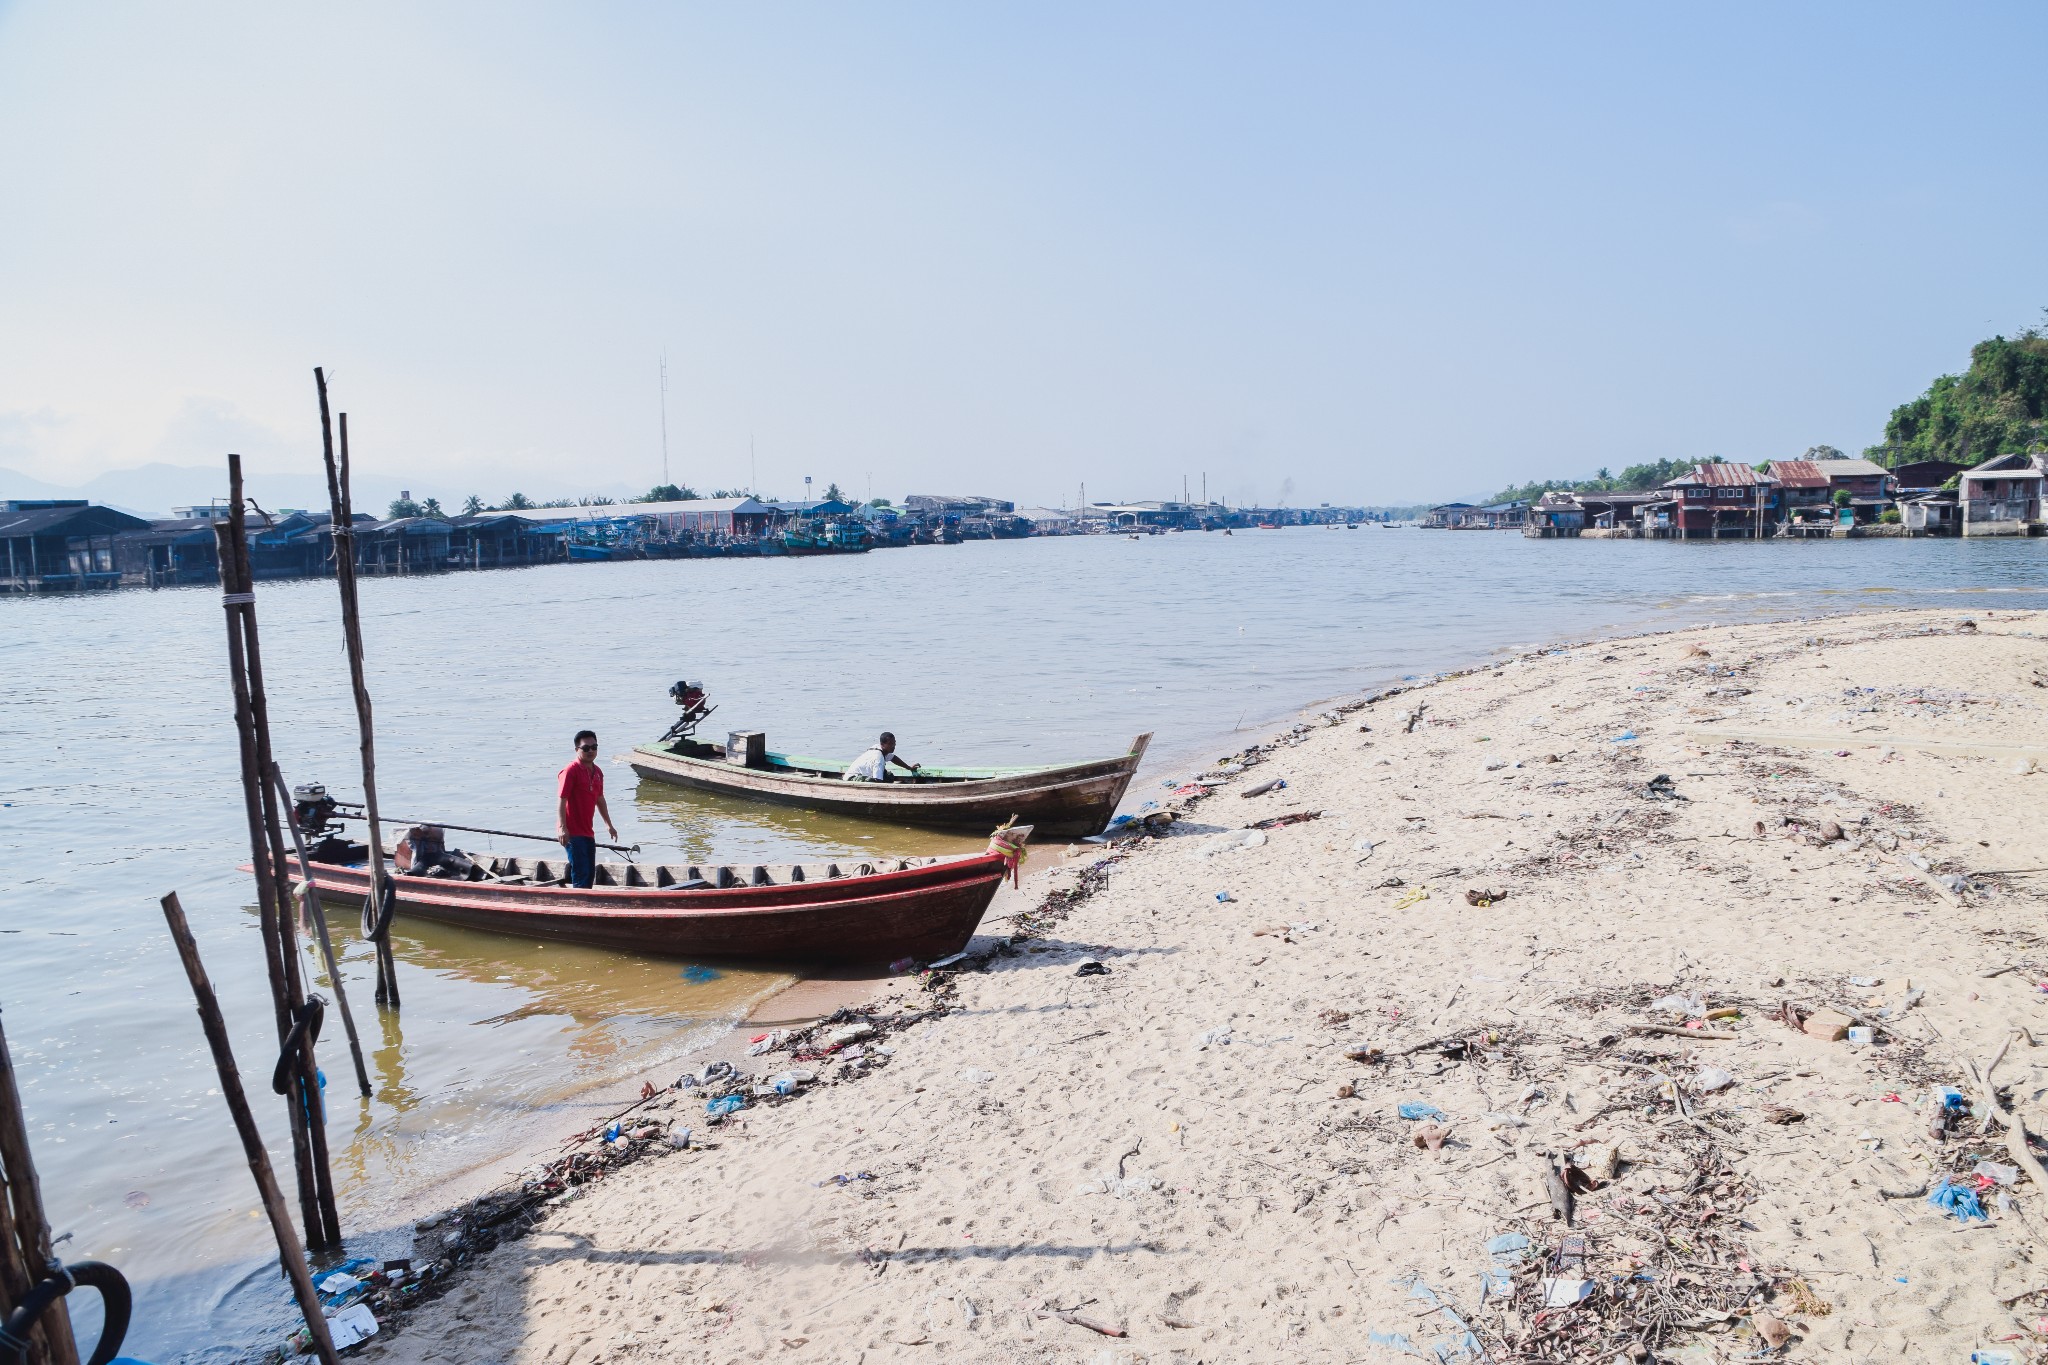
{"type": "Point", "coordinates": [777, 897]}
{"type": "Point", "coordinates": [999, 782]}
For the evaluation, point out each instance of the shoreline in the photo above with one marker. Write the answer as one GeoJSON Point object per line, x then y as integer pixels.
{"type": "Point", "coordinates": [1147, 901]}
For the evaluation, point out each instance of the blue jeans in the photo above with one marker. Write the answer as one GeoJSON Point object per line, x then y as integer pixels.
{"type": "Point", "coordinates": [582, 851]}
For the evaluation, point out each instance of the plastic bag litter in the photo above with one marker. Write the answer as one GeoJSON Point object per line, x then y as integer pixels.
{"type": "Point", "coordinates": [1416, 1109]}
{"type": "Point", "coordinates": [1956, 1200]}
{"type": "Point", "coordinates": [1503, 1253]}
{"type": "Point", "coordinates": [1997, 1172]}
{"type": "Point", "coordinates": [1231, 841]}
{"type": "Point", "coordinates": [1219, 1037]}
{"type": "Point", "coordinates": [1690, 1006]}
{"type": "Point", "coordinates": [974, 1075]}
{"type": "Point", "coordinates": [1711, 1078]}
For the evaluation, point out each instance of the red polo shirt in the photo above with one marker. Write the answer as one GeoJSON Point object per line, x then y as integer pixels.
{"type": "Point", "coordinates": [581, 785]}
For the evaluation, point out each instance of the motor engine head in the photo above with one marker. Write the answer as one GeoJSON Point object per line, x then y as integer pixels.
{"type": "Point", "coordinates": [313, 808]}
{"type": "Point", "coordinates": [696, 706]}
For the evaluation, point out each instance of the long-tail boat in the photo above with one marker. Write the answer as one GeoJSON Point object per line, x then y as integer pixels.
{"type": "Point", "coordinates": [1062, 800]}
{"type": "Point", "coordinates": [877, 910]}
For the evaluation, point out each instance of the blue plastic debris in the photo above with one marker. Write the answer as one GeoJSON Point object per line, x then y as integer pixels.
{"type": "Point", "coordinates": [1957, 1200]}
{"type": "Point", "coordinates": [697, 974]}
{"type": "Point", "coordinates": [611, 1134]}
{"type": "Point", "coordinates": [725, 1104]}
{"type": "Point", "coordinates": [1415, 1109]}
{"type": "Point", "coordinates": [1504, 1252]}
{"type": "Point", "coordinates": [1624, 737]}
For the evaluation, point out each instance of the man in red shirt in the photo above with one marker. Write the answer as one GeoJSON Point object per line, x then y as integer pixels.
{"type": "Point", "coordinates": [579, 792]}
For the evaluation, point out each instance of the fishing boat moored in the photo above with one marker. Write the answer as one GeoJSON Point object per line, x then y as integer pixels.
{"type": "Point", "coordinates": [874, 910]}
{"type": "Point", "coordinates": [1062, 800]}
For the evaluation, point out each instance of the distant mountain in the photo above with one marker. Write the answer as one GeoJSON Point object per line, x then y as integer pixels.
{"type": "Point", "coordinates": [152, 490]}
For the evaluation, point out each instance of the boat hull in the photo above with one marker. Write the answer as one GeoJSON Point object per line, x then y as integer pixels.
{"type": "Point", "coordinates": [1066, 802]}
{"type": "Point", "coordinates": [924, 912]}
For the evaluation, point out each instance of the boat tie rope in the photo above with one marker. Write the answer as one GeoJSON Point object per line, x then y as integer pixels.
{"type": "Point", "coordinates": [1012, 851]}
{"type": "Point", "coordinates": [238, 599]}
{"type": "Point", "coordinates": [305, 1030]}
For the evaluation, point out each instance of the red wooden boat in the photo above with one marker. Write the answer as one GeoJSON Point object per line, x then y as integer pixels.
{"type": "Point", "coordinates": [865, 912]}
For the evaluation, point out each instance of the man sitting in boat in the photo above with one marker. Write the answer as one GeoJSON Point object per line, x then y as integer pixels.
{"type": "Point", "coordinates": [873, 766]}
{"type": "Point", "coordinates": [579, 793]}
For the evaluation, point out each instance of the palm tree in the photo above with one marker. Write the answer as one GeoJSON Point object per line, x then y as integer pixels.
{"type": "Point", "coordinates": [472, 505]}
{"type": "Point", "coordinates": [517, 502]}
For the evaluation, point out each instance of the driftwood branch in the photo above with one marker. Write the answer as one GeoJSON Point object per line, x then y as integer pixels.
{"type": "Point", "coordinates": [2015, 1130]}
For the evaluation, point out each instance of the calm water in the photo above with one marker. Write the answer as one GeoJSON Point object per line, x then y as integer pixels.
{"type": "Point", "coordinates": [119, 782]}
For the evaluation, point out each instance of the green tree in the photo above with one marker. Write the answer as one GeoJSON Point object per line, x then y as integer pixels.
{"type": "Point", "coordinates": [518, 502]}
{"type": "Point", "coordinates": [432, 508]}
{"type": "Point", "coordinates": [832, 493]}
{"type": "Point", "coordinates": [472, 505]}
{"type": "Point", "coordinates": [559, 502]}
{"type": "Point", "coordinates": [1998, 406]}
{"type": "Point", "coordinates": [668, 492]}
{"type": "Point", "coordinates": [880, 502]}
{"type": "Point", "coordinates": [403, 507]}
{"type": "Point", "coordinates": [1841, 497]}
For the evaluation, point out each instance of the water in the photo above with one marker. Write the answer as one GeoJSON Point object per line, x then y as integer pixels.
{"type": "Point", "coordinates": [120, 782]}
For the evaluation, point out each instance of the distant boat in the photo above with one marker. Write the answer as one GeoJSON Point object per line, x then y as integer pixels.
{"type": "Point", "coordinates": [826, 538]}
{"type": "Point", "coordinates": [1060, 799]}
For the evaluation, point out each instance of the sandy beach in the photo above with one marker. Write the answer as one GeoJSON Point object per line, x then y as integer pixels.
{"type": "Point", "coordinates": [1598, 917]}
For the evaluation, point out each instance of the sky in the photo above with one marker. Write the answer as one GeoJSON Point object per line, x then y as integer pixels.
{"type": "Point", "coordinates": [1301, 253]}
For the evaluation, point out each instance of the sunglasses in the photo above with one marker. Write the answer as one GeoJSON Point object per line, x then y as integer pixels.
{"type": "Point", "coordinates": [587, 748]}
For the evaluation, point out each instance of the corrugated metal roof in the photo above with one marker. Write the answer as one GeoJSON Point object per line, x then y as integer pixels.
{"type": "Point", "coordinates": [1720, 476]}
{"type": "Point", "coordinates": [1846, 469]}
{"type": "Point", "coordinates": [68, 521]}
{"type": "Point", "coordinates": [1798, 474]}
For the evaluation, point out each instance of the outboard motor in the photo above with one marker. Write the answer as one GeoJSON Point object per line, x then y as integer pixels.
{"type": "Point", "coordinates": [696, 707]}
{"type": "Point", "coordinates": [312, 807]}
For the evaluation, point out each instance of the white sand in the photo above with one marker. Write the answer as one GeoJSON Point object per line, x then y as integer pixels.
{"type": "Point", "coordinates": [1223, 1203]}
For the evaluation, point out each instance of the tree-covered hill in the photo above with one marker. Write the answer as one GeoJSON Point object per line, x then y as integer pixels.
{"type": "Point", "coordinates": [1998, 406]}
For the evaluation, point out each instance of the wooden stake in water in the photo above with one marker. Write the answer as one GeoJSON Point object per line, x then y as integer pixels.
{"type": "Point", "coordinates": [25, 1247]}
{"type": "Point", "coordinates": [304, 1106]}
{"type": "Point", "coordinates": [342, 525]}
{"type": "Point", "coordinates": [289, 1252]}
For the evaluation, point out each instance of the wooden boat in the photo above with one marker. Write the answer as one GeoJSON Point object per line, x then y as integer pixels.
{"type": "Point", "coordinates": [1066, 800]}
{"type": "Point", "coordinates": [852, 912]}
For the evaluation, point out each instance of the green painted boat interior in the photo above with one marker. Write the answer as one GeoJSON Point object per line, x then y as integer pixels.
{"type": "Point", "coordinates": [804, 765]}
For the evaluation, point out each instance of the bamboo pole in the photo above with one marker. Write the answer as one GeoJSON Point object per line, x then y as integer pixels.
{"type": "Point", "coordinates": [305, 1115]}
{"type": "Point", "coordinates": [274, 866]}
{"type": "Point", "coordinates": [289, 1251]}
{"type": "Point", "coordinates": [343, 527]}
{"type": "Point", "coordinates": [26, 1251]}
{"type": "Point", "coordinates": [228, 537]}
{"type": "Point", "coordinates": [318, 914]}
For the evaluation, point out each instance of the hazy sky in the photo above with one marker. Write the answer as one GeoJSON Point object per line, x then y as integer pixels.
{"type": "Point", "coordinates": [1322, 252]}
